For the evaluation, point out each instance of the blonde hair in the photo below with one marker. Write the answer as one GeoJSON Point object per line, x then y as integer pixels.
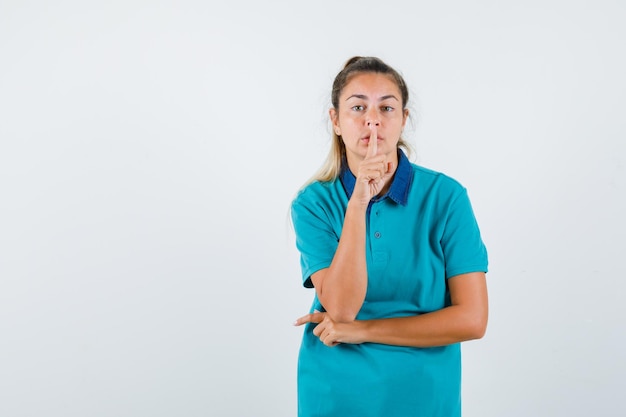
{"type": "Point", "coordinates": [331, 167]}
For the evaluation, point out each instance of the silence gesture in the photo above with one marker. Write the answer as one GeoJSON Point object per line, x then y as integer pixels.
{"type": "Point", "coordinates": [374, 171]}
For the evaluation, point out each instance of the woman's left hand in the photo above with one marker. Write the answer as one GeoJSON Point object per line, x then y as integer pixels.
{"type": "Point", "coordinates": [330, 332]}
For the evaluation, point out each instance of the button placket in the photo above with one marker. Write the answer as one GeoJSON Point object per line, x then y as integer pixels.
{"type": "Point", "coordinates": [379, 254]}
{"type": "Point", "coordinates": [375, 223]}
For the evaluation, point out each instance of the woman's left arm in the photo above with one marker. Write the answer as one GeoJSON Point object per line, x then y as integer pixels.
{"type": "Point", "coordinates": [465, 319]}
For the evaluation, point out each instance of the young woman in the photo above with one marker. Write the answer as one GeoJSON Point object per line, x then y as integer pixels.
{"type": "Point", "coordinates": [395, 255]}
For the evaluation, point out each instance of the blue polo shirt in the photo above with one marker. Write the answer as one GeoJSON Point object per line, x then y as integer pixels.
{"type": "Point", "coordinates": [419, 234]}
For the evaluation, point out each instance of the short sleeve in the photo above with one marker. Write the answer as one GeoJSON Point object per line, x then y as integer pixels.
{"type": "Point", "coordinates": [462, 245]}
{"type": "Point", "coordinates": [316, 238]}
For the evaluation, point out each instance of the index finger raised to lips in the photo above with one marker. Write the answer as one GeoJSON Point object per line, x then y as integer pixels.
{"type": "Point", "coordinates": [372, 146]}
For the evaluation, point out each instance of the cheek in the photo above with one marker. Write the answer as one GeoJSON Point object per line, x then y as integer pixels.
{"type": "Point", "coordinates": [349, 118]}
{"type": "Point", "coordinates": [348, 127]}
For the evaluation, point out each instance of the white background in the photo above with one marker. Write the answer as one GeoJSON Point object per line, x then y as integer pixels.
{"type": "Point", "coordinates": [149, 151]}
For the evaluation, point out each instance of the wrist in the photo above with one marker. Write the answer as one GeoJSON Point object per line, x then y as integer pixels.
{"type": "Point", "coordinates": [357, 205]}
{"type": "Point", "coordinates": [361, 331]}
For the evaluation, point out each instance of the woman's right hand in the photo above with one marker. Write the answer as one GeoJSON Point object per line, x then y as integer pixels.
{"type": "Point", "coordinates": [374, 171]}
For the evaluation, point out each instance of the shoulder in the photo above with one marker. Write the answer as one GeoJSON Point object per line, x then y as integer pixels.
{"type": "Point", "coordinates": [427, 178]}
{"type": "Point", "coordinates": [320, 199]}
{"type": "Point", "coordinates": [319, 204]}
{"type": "Point", "coordinates": [318, 192]}
{"type": "Point", "coordinates": [314, 188]}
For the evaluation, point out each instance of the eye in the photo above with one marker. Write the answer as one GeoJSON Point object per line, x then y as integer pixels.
{"type": "Point", "coordinates": [358, 108]}
{"type": "Point", "coordinates": [387, 108]}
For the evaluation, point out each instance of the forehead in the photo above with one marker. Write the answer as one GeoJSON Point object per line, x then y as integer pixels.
{"type": "Point", "coordinates": [371, 84]}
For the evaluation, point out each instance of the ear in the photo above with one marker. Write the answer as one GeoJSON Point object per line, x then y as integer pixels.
{"type": "Point", "coordinates": [334, 119]}
{"type": "Point", "coordinates": [405, 116]}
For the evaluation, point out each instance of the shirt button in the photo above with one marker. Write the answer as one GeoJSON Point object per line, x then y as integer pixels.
{"type": "Point", "coordinates": [377, 235]}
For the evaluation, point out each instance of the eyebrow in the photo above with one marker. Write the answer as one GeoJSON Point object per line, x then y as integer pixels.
{"type": "Point", "coordinates": [364, 97]}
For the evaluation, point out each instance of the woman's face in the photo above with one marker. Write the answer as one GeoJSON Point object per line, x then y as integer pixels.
{"type": "Point", "coordinates": [369, 99]}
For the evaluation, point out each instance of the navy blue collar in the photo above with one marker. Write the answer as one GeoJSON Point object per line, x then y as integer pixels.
{"type": "Point", "coordinates": [399, 189]}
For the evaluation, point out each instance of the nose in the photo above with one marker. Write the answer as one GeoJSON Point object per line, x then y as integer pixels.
{"type": "Point", "coordinates": [373, 122]}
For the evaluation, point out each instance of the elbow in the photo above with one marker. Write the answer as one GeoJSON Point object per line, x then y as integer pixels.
{"type": "Point", "coordinates": [479, 332]}
{"type": "Point", "coordinates": [476, 328]}
{"type": "Point", "coordinates": [474, 322]}
{"type": "Point", "coordinates": [339, 310]}
{"type": "Point", "coordinates": [342, 315]}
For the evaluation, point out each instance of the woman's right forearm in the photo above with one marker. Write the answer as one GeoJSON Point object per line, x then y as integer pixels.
{"type": "Point", "coordinates": [341, 287]}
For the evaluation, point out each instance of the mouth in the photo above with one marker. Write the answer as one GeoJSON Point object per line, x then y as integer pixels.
{"type": "Point", "coordinates": [367, 139]}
